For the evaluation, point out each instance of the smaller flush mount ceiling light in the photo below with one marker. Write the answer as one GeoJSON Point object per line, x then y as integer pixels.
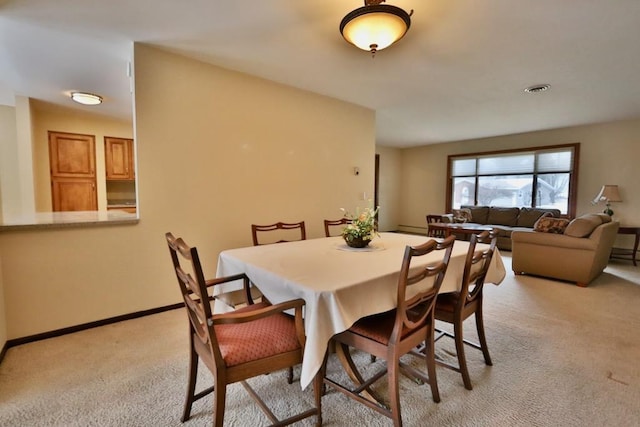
{"type": "Point", "coordinates": [86, 98]}
{"type": "Point", "coordinates": [375, 26]}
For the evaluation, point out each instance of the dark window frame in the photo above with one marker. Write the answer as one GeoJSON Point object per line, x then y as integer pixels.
{"type": "Point", "coordinates": [573, 180]}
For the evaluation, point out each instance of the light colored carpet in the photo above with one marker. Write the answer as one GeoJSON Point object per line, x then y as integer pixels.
{"type": "Point", "coordinates": [563, 356]}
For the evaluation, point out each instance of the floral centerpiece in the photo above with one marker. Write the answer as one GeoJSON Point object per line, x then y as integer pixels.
{"type": "Point", "coordinates": [363, 227]}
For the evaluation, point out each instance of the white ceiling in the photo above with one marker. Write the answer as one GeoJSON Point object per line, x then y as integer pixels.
{"type": "Point", "coordinates": [459, 73]}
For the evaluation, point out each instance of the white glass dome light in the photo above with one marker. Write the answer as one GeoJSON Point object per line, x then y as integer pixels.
{"type": "Point", "coordinates": [374, 27]}
{"type": "Point", "coordinates": [86, 98]}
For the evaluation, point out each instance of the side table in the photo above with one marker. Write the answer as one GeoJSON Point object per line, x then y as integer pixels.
{"type": "Point", "coordinates": [624, 253]}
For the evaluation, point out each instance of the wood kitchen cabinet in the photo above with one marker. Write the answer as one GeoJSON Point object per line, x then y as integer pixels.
{"type": "Point", "coordinates": [72, 162]}
{"type": "Point", "coordinates": [74, 194]}
{"type": "Point", "coordinates": [119, 158]}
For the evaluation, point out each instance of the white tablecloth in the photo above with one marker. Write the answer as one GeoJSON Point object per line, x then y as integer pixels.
{"type": "Point", "coordinates": [339, 285]}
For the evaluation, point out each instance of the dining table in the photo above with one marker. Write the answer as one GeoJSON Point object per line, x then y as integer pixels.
{"type": "Point", "coordinates": [339, 284]}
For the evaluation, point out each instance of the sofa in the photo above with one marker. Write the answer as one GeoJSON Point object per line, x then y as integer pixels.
{"type": "Point", "coordinates": [504, 220]}
{"type": "Point", "coordinates": [576, 252]}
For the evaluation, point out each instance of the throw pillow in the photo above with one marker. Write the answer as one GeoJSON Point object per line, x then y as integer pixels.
{"type": "Point", "coordinates": [528, 216]}
{"type": "Point", "coordinates": [551, 225]}
{"type": "Point", "coordinates": [604, 217]}
{"type": "Point", "coordinates": [462, 215]}
{"type": "Point", "coordinates": [583, 226]}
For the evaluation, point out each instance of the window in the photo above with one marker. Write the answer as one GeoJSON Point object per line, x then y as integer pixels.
{"type": "Point", "coordinates": [542, 177]}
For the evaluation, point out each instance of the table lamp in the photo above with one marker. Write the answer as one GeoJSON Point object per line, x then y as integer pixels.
{"type": "Point", "coordinates": [608, 194]}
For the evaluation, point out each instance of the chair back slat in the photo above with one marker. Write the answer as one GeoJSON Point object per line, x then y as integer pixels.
{"type": "Point", "coordinates": [284, 226]}
{"type": "Point", "coordinates": [329, 223]}
{"type": "Point", "coordinates": [477, 265]}
{"type": "Point", "coordinates": [194, 293]}
{"type": "Point", "coordinates": [431, 232]}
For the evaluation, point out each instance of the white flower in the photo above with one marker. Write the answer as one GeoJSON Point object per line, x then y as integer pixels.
{"type": "Point", "coordinates": [363, 224]}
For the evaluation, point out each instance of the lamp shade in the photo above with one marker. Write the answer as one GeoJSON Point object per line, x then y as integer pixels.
{"type": "Point", "coordinates": [375, 27]}
{"type": "Point", "coordinates": [608, 193]}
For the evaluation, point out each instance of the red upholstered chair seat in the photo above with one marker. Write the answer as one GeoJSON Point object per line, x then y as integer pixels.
{"type": "Point", "coordinates": [258, 339]}
{"type": "Point", "coordinates": [447, 302]}
{"type": "Point", "coordinates": [377, 327]}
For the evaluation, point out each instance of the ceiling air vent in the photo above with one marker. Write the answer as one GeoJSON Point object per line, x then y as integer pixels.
{"type": "Point", "coordinates": [537, 88]}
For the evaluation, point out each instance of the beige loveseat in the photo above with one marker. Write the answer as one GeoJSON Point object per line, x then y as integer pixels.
{"type": "Point", "coordinates": [504, 220]}
{"type": "Point", "coordinates": [578, 255]}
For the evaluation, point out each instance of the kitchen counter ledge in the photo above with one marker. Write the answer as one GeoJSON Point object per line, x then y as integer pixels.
{"type": "Point", "coordinates": [43, 220]}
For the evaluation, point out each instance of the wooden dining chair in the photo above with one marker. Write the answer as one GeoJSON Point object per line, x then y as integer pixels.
{"type": "Point", "coordinates": [455, 307]}
{"type": "Point", "coordinates": [392, 334]}
{"type": "Point", "coordinates": [251, 341]}
{"type": "Point", "coordinates": [236, 298]}
{"type": "Point", "coordinates": [328, 223]}
{"type": "Point", "coordinates": [434, 232]}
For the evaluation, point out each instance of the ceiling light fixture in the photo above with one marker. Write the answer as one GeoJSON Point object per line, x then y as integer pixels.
{"type": "Point", "coordinates": [86, 98]}
{"type": "Point", "coordinates": [375, 26]}
{"type": "Point", "coordinates": [537, 88]}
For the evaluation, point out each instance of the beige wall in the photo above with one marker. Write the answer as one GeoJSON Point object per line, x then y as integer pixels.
{"type": "Point", "coordinates": [217, 151]}
{"type": "Point", "coordinates": [252, 151]}
{"type": "Point", "coordinates": [608, 155]}
{"type": "Point", "coordinates": [3, 315]}
{"type": "Point", "coordinates": [24, 144]}
{"type": "Point", "coordinates": [7, 137]}
{"type": "Point", "coordinates": [16, 159]}
{"type": "Point", "coordinates": [9, 192]}
{"type": "Point", "coordinates": [47, 117]}
{"type": "Point", "coordinates": [389, 184]}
